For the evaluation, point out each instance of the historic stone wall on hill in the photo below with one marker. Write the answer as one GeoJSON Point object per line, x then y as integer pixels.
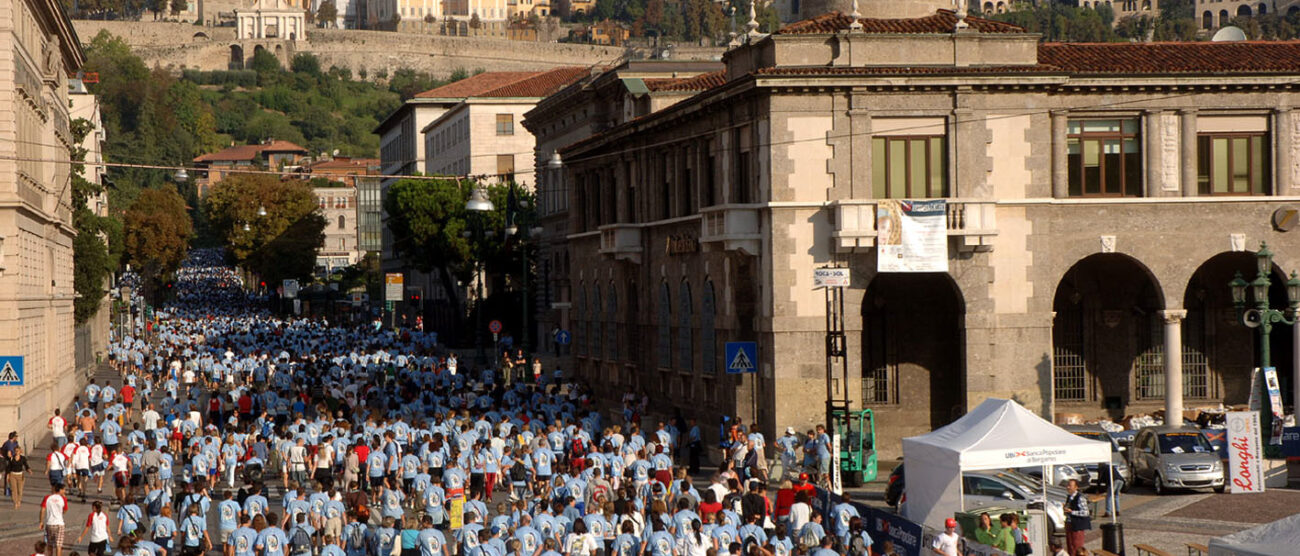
{"type": "Point", "coordinates": [179, 45]}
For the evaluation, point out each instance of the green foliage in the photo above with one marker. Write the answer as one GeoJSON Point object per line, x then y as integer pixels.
{"type": "Point", "coordinates": [306, 63]}
{"type": "Point", "coordinates": [283, 244]}
{"type": "Point", "coordinates": [265, 64]}
{"type": "Point", "coordinates": [91, 260]}
{"type": "Point", "coordinates": [158, 230]}
{"type": "Point", "coordinates": [179, 6]}
{"type": "Point", "coordinates": [407, 82]}
{"type": "Point", "coordinates": [327, 15]}
{"type": "Point", "coordinates": [1135, 27]}
{"type": "Point", "coordinates": [1058, 22]}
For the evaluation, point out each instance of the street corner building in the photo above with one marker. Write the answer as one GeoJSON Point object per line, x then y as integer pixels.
{"type": "Point", "coordinates": [39, 51]}
{"type": "Point", "coordinates": [1098, 199]}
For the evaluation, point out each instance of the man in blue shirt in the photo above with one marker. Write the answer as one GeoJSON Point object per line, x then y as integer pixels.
{"type": "Point", "coordinates": [227, 517]}
{"type": "Point", "coordinates": [194, 533]}
{"type": "Point", "coordinates": [272, 541]}
{"type": "Point", "coordinates": [431, 541]}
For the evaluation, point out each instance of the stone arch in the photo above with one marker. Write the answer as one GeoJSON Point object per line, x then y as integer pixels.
{"type": "Point", "coordinates": [279, 52]}
{"type": "Point", "coordinates": [1292, 10]}
{"type": "Point", "coordinates": [1223, 17]}
{"type": "Point", "coordinates": [988, 7]}
{"type": "Point", "coordinates": [1146, 5]}
{"type": "Point", "coordinates": [236, 57]}
{"type": "Point", "coordinates": [1106, 335]}
{"type": "Point", "coordinates": [913, 349]}
{"type": "Point", "coordinates": [1243, 10]}
{"type": "Point", "coordinates": [1218, 351]}
{"type": "Point", "coordinates": [201, 36]}
{"type": "Point", "coordinates": [1262, 9]}
{"type": "Point", "coordinates": [665, 325]}
{"type": "Point", "coordinates": [343, 221]}
{"type": "Point", "coordinates": [1002, 7]}
{"type": "Point", "coordinates": [1207, 20]}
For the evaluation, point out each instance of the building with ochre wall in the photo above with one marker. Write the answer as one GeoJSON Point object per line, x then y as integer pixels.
{"type": "Point", "coordinates": [1099, 198]}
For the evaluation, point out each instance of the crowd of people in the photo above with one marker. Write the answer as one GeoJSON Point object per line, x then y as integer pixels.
{"type": "Point", "coordinates": [232, 430]}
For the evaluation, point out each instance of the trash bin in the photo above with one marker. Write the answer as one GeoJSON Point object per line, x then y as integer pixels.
{"type": "Point", "coordinates": [1112, 538]}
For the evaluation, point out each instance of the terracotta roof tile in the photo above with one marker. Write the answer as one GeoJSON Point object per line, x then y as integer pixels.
{"type": "Point", "coordinates": [249, 152]}
{"type": "Point", "coordinates": [344, 164]}
{"type": "Point", "coordinates": [540, 84]}
{"type": "Point", "coordinates": [701, 82]}
{"type": "Point", "coordinates": [943, 21]}
{"type": "Point", "coordinates": [1173, 57]}
{"type": "Point", "coordinates": [477, 84]}
{"type": "Point", "coordinates": [899, 70]}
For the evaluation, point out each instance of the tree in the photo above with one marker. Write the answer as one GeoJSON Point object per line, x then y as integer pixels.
{"type": "Point", "coordinates": [1135, 27]}
{"type": "Point", "coordinates": [305, 62]}
{"type": "Point", "coordinates": [283, 244]}
{"type": "Point", "coordinates": [327, 14]}
{"type": "Point", "coordinates": [91, 260]}
{"type": "Point", "coordinates": [396, 20]}
{"type": "Point", "coordinates": [474, 22]}
{"type": "Point", "coordinates": [264, 63]}
{"type": "Point", "coordinates": [179, 6]}
{"type": "Point", "coordinates": [158, 231]}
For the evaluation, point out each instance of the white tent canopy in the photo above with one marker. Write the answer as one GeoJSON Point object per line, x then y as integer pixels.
{"type": "Point", "coordinates": [996, 435]}
{"type": "Point", "coordinates": [1270, 539]}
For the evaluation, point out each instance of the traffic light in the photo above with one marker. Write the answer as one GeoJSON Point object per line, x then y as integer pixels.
{"type": "Point", "coordinates": [169, 285]}
{"type": "Point", "coordinates": [262, 283]}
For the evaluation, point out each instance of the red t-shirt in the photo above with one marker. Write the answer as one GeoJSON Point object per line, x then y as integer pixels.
{"type": "Point", "coordinates": [245, 404]}
{"type": "Point", "coordinates": [128, 394]}
{"type": "Point", "coordinates": [363, 452]}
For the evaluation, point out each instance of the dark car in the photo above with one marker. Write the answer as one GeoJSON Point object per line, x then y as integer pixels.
{"type": "Point", "coordinates": [894, 490]}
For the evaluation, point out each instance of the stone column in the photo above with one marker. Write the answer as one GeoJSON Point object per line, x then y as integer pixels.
{"type": "Point", "coordinates": [1282, 182]}
{"type": "Point", "coordinates": [1060, 155]}
{"type": "Point", "coordinates": [1188, 146]}
{"type": "Point", "coordinates": [1174, 365]}
{"type": "Point", "coordinates": [1154, 154]}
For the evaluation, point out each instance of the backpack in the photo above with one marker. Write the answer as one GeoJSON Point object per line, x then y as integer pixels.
{"type": "Point", "coordinates": [808, 539]}
{"type": "Point", "coordinates": [518, 473]}
{"type": "Point", "coordinates": [253, 473]}
{"type": "Point", "coordinates": [299, 542]}
{"type": "Point", "coordinates": [357, 538]}
{"type": "Point", "coordinates": [858, 545]}
{"type": "Point", "coordinates": [156, 506]}
{"type": "Point", "coordinates": [576, 449]}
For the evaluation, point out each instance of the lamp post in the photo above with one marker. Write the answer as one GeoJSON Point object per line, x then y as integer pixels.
{"type": "Point", "coordinates": [1259, 314]}
{"type": "Point", "coordinates": [478, 205]}
{"type": "Point", "coordinates": [516, 225]}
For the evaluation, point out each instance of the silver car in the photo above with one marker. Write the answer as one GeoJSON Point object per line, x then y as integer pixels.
{"type": "Point", "coordinates": [1175, 457]}
{"type": "Point", "coordinates": [1118, 462]}
{"type": "Point", "coordinates": [1011, 489]}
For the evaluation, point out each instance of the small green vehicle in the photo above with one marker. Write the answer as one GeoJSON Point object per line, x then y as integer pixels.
{"type": "Point", "coordinates": [857, 432]}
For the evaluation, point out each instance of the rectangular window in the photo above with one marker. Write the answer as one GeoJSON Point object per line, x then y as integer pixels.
{"type": "Point", "coordinates": [1233, 164]}
{"type": "Point", "coordinates": [909, 167]}
{"type": "Point", "coordinates": [505, 124]}
{"type": "Point", "coordinates": [506, 167]}
{"type": "Point", "coordinates": [1104, 158]}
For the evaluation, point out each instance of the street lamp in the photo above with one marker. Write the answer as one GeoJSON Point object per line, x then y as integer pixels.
{"type": "Point", "coordinates": [479, 205]}
{"type": "Point", "coordinates": [515, 226]}
{"type": "Point", "coordinates": [181, 176]}
{"type": "Point", "coordinates": [1262, 316]}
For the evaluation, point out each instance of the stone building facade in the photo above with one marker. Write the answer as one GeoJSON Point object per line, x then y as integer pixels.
{"type": "Point", "coordinates": [1099, 198]}
{"type": "Point", "coordinates": [38, 52]}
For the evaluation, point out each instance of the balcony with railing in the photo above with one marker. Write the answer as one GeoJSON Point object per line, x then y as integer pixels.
{"type": "Point", "coordinates": [730, 228]}
{"type": "Point", "coordinates": [974, 223]}
{"type": "Point", "coordinates": [621, 241]}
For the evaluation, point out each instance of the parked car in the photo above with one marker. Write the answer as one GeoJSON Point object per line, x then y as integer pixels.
{"type": "Point", "coordinates": [1175, 457]}
{"type": "Point", "coordinates": [894, 489]}
{"type": "Point", "coordinates": [1061, 474]}
{"type": "Point", "coordinates": [1118, 461]}
{"type": "Point", "coordinates": [1011, 489]}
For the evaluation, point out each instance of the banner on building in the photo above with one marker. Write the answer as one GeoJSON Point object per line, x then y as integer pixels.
{"type": "Point", "coordinates": [911, 236]}
{"type": "Point", "coordinates": [1245, 466]}
{"type": "Point", "coordinates": [1275, 405]}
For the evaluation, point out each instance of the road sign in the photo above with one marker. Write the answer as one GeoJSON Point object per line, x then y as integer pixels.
{"type": "Point", "coordinates": [290, 288]}
{"type": "Point", "coordinates": [11, 371]}
{"type": "Point", "coordinates": [495, 326]}
{"type": "Point", "coordinates": [563, 337]}
{"type": "Point", "coordinates": [357, 298]}
{"type": "Point", "coordinates": [742, 357]}
{"type": "Point", "coordinates": [831, 277]}
{"type": "Point", "coordinates": [393, 286]}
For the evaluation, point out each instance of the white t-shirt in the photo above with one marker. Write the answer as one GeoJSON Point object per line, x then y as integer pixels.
{"type": "Point", "coordinates": [55, 505]}
{"type": "Point", "coordinates": [120, 462]}
{"type": "Point", "coordinates": [96, 454]}
{"type": "Point", "coordinates": [800, 513]}
{"type": "Point", "coordinates": [81, 458]}
{"type": "Point", "coordinates": [946, 543]}
{"type": "Point", "coordinates": [55, 461]}
{"type": "Point", "coordinates": [98, 523]}
{"type": "Point", "coordinates": [57, 425]}
{"type": "Point", "coordinates": [150, 418]}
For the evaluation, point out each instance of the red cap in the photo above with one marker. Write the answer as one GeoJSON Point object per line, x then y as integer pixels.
{"type": "Point", "coordinates": [950, 523]}
{"type": "Point", "coordinates": [803, 476]}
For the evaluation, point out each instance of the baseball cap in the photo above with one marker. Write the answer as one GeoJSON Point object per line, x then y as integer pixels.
{"type": "Point", "coordinates": [803, 476]}
{"type": "Point", "coordinates": [789, 430]}
{"type": "Point", "coordinates": [496, 530]}
{"type": "Point", "coordinates": [950, 522]}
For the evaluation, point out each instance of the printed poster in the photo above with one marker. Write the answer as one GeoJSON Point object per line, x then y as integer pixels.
{"type": "Point", "coordinates": [457, 513]}
{"type": "Point", "coordinates": [911, 236]}
{"type": "Point", "coordinates": [1275, 405]}
{"type": "Point", "coordinates": [1245, 465]}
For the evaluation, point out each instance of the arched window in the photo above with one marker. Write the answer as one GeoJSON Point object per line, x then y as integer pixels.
{"type": "Point", "coordinates": [343, 221]}
{"type": "Point", "coordinates": [665, 324]}
{"type": "Point", "coordinates": [593, 320]}
{"type": "Point", "coordinates": [685, 345]}
{"type": "Point", "coordinates": [1263, 9]}
{"type": "Point", "coordinates": [1207, 20]}
{"type": "Point", "coordinates": [611, 327]}
{"type": "Point", "coordinates": [708, 347]}
{"type": "Point", "coordinates": [1243, 11]}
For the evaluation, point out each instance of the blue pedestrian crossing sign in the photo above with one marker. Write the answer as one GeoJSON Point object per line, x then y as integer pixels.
{"type": "Point", "coordinates": [11, 370]}
{"type": "Point", "coordinates": [563, 337]}
{"type": "Point", "coordinates": [742, 357]}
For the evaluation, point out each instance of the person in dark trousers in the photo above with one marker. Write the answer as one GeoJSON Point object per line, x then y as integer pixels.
{"type": "Point", "coordinates": [1077, 518]}
{"type": "Point", "coordinates": [694, 445]}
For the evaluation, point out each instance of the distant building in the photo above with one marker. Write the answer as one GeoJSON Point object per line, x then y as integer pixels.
{"type": "Point", "coordinates": [607, 32]}
{"type": "Point", "coordinates": [39, 50]}
{"type": "Point", "coordinates": [273, 154]}
{"type": "Point", "coordinates": [481, 135]}
{"type": "Point", "coordinates": [91, 336]}
{"type": "Point", "coordinates": [341, 207]}
{"type": "Point", "coordinates": [351, 14]}
{"type": "Point", "coordinates": [270, 19]}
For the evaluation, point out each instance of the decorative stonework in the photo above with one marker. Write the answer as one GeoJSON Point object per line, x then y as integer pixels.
{"type": "Point", "coordinates": [1170, 152]}
{"type": "Point", "coordinates": [1237, 242]}
{"type": "Point", "coordinates": [1295, 147]}
{"type": "Point", "coordinates": [1107, 244]}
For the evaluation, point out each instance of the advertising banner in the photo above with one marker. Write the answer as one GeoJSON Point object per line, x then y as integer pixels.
{"type": "Point", "coordinates": [911, 236]}
{"type": "Point", "coordinates": [393, 286]}
{"type": "Point", "coordinates": [1291, 442]}
{"type": "Point", "coordinates": [1245, 468]}
{"type": "Point", "coordinates": [1255, 390]}
{"type": "Point", "coordinates": [1275, 405]}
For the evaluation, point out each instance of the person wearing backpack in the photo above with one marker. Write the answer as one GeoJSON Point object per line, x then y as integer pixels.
{"type": "Point", "coordinates": [857, 542]}
{"type": "Point", "coordinates": [194, 533]}
{"type": "Point", "coordinates": [810, 537]}
{"type": "Point", "coordinates": [300, 537]}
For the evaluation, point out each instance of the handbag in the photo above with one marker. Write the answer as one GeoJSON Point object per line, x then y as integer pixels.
{"type": "Point", "coordinates": [1023, 548]}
